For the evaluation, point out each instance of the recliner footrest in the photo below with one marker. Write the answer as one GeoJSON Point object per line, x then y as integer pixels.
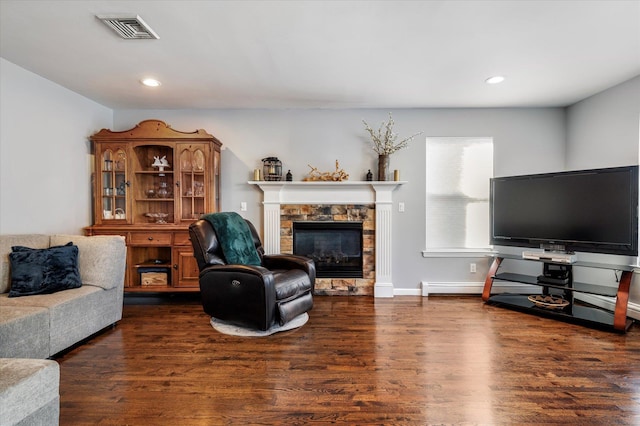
{"type": "Point", "coordinates": [290, 309]}
{"type": "Point", "coordinates": [290, 283]}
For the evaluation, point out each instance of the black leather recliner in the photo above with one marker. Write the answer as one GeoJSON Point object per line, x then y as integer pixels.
{"type": "Point", "coordinates": [252, 296]}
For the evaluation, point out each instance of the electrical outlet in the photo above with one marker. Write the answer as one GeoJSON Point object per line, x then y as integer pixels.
{"type": "Point", "coordinates": [243, 206]}
{"type": "Point", "coordinates": [401, 207]}
{"type": "Point", "coordinates": [472, 268]}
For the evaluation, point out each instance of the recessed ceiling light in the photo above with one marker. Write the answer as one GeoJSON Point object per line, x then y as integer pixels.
{"type": "Point", "coordinates": [495, 79]}
{"type": "Point", "coordinates": [151, 82]}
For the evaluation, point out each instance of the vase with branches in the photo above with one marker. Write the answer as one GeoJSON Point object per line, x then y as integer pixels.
{"type": "Point", "coordinates": [385, 142]}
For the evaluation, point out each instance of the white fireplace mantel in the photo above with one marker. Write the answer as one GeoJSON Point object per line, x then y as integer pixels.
{"type": "Point", "coordinates": [347, 192]}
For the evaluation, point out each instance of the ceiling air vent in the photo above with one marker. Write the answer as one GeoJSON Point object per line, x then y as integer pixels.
{"type": "Point", "coordinates": [128, 26]}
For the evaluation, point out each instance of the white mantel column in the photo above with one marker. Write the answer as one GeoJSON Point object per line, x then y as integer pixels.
{"type": "Point", "coordinates": [271, 225]}
{"type": "Point", "coordinates": [384, 208]}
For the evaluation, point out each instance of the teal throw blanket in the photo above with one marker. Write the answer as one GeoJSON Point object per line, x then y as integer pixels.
{"type": "Point", "coordinates": [235, 238]}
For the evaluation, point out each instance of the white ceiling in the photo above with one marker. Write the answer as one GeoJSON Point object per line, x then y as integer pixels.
{"type": "Point", "coordinates": [329, 54]}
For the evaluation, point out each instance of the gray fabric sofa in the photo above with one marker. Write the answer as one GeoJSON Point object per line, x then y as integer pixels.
{"type": "Point", "coordinates": [36, 327]}
{"type": "Point", "coordinates": [29, 392]}
{"type": "Point", "coordinates": [40, 326]}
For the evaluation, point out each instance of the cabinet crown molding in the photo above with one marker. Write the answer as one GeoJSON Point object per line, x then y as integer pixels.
{"type": "Point", "coordinates": [154, 129]}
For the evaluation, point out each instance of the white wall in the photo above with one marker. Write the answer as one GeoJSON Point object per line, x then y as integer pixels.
{"type": "Point", "coordinates": [44, 154]}
{"type": "Point", "coordinates": [526, 141]}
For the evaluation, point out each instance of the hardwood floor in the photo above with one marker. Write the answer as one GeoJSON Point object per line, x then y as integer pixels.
{"type": "Point", "coordinates": [358, 361]}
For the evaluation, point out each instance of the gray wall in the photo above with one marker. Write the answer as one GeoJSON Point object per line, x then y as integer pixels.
{"type": "Point", "coordinates": [603, 130]}
{"type": "Point", "coordinates": [45, 161]}
{"type": "Point", "coordinates": [526, 141]}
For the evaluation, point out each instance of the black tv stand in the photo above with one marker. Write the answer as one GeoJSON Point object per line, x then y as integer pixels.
{"type": "Point", "coordinates": [565, 285]}
{"type": "Point", "coordinates": [542, 279]}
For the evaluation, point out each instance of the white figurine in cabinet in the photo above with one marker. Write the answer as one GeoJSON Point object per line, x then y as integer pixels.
{"type": "Point", "coordinates": [160, 163]}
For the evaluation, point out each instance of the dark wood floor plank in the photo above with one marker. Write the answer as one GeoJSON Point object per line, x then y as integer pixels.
{"type": "Point", "coordinates": [359, 360]}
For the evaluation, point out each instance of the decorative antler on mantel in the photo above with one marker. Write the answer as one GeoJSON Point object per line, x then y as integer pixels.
{"type": "Point", "coordinates": [338, 176]}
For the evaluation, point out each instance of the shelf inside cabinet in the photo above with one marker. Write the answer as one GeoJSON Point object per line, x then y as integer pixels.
{"type": "Point", "coordinates": [153, 265]}
{"type": "Point", "coordinates": [160, 289]}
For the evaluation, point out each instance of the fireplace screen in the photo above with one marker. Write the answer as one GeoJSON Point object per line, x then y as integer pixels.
{"type": "Point", "coordinates": [336, 247]}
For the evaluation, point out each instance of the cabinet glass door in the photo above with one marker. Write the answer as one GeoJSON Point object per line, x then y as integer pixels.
{"type": "Point", "coordinates": [215, 187]}
{"type": "Point", "coordinates": [114, 184]}
{"type": "Point", "coordinates": [192, 185]}
{"type": "Point", "coordinates": [154, 185]}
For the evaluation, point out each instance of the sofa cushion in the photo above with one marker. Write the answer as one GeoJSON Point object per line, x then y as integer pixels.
{"type": "Point", "coordinates": [8, 241]}
{"type": "Point", "coordinates": [73, 314]}
{"type": "Point", "coordinates": [43, 271]}
{"type": "Point", "coordinates": [29, 392]}
{"type": "Point", "coordinates": [101, 258]}
{"type": "Point", "coordinates": [24, 331]}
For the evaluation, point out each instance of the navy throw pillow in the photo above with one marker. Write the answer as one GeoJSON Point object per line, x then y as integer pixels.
{"type": "Point", "coordinates": [42, 271]}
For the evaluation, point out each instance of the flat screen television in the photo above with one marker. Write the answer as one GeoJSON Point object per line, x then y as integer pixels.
{"type": "Point", "coordinates": [586, 210]}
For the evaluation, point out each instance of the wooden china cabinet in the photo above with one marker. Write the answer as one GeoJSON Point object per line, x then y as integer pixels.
{"type": "Point", "coordinates": [149, 184]}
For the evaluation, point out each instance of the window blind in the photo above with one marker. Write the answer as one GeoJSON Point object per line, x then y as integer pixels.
{"type": "Point", "coordinates": [458, 170]}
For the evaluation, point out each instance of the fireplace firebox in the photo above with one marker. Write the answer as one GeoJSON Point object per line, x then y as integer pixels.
{"type": "Point", "coordinates": [335, 247]}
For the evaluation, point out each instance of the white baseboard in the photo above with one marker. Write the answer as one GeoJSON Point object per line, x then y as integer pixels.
{"type": "Point", "coordinates": [381, 289]}
{"type": "Point", "coordinates": [475, 288]}
{"type": "Point", "coordinates": [407, 292]}
{"type": "Point", "coordinates": [608, 303]}
{"type": "Point", "coordinates": [633, 309]}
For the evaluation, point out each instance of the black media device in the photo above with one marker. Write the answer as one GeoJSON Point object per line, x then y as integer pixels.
{"type": "Point", "coordinates": [553, 273]}
{"type": "Point", "coordinates": [587, 210]}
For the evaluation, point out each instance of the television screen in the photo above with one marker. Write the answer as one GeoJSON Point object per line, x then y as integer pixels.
{"type": "Point", "coordinates": [586, 210]}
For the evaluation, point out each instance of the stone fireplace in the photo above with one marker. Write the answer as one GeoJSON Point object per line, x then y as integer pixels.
{"type": "Point", "coordinates": [335, 247]}
{"type": "Point", "coordinates": [334, 215]}
{"type": "Point", "coordinates": [367, 202]}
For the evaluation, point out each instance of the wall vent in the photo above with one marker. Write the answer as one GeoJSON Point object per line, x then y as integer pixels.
{"type": "Point", "coordinates": [128, 26]}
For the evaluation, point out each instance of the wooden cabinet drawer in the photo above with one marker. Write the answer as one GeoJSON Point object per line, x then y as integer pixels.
{"type": "Point", "coordinates": [181, 239]}
{"type": "Point", "coordinates": [151, 238]}
{"type": "Point", "coordinates": [94, 231]}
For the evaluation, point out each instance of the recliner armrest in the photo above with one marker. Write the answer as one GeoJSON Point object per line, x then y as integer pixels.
{"type": "Point", "coordinates": [291, 261]}
{"type": "Point", "coordinates": [246, 269]}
